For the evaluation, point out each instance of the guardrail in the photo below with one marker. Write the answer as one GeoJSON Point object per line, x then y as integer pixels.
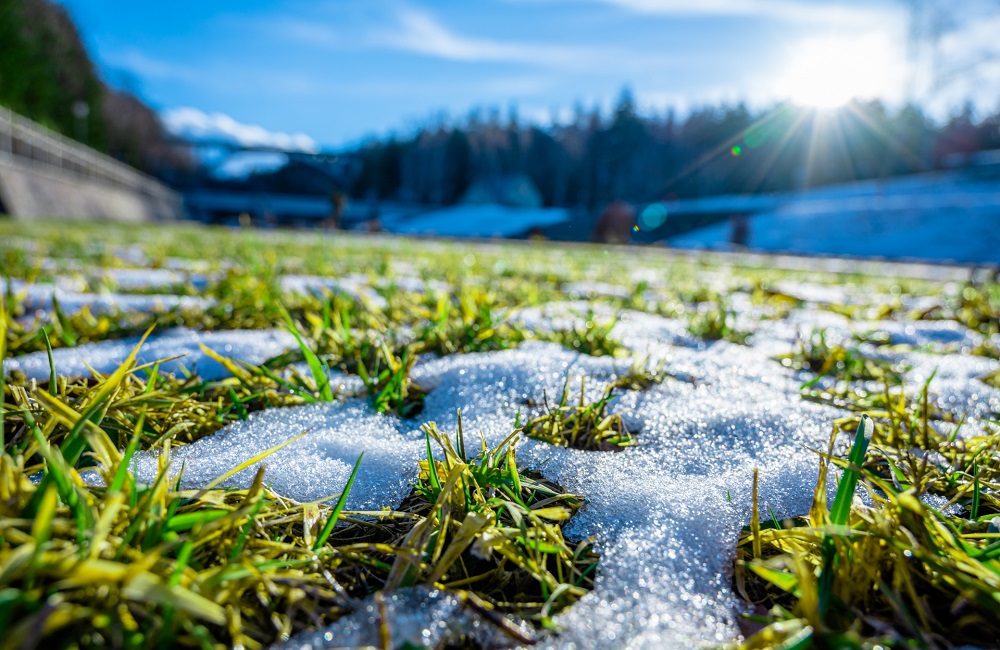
{"type": "Point", "coordinates": [25, 139]}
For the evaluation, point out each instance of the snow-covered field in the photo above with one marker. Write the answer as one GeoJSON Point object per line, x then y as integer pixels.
{"type": "Point", "coordinates": [943, 217]}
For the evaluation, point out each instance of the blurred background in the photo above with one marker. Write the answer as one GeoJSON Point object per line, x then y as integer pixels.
{"type": "Point", "coordinates": [868, 128]}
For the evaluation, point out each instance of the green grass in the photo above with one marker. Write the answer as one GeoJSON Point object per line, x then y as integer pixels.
{"type": "Point", "coordinates": [580, 424]}
{"type": "Point", "coordinates": [716, 322]}
{"type": "Point", "coordinates": [118, 564]}
{"type": "Point", "coordinates": [140, 565]}
{"type": "Point", "coordinates": [896, 573]}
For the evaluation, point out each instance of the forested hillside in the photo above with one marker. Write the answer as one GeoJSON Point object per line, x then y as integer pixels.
{"type": "Point", "coordinates": [47, 75]}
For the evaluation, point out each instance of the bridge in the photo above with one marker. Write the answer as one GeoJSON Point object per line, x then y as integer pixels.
{"type": "Point", "coordinates": [46, 175]}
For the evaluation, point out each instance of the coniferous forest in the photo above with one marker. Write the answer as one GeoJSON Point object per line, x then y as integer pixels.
{"type": "Point", "coordinates": [596, 158]}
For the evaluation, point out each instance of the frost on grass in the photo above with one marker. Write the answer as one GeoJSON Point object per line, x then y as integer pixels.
{"type": "Point", "coordinates": [180, 345]}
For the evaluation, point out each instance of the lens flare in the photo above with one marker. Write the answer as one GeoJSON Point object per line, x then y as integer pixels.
{"type": "Point", "coordinates": [653, 216]}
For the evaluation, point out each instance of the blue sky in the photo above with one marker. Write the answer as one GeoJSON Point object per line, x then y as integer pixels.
{"type": "Point", "coordinates": [327, 73]}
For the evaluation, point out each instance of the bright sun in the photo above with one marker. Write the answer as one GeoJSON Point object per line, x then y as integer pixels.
{"type": "Point", "coordinates": [829, 72]}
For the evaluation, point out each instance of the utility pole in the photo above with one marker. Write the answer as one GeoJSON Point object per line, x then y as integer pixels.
{"type": "Point", "coordinates": [81, 111]}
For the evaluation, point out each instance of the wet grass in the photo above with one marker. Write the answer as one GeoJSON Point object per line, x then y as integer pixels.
{"type": "Point", "coordinates": [495, 528]}
{"type": "Point", "coordinates": [844, 376]}
{"type": "Point", "coordinates": [592, 337]}
{"type": "Point", "coordinates": [974, 306]}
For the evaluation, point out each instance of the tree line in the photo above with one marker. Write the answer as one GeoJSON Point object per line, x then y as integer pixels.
{"type": "Point", "coordinates": [586, 161]}
{"type": "Point", "coordinates": [596, 158]}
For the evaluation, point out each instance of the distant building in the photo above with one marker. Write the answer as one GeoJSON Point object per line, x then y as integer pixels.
{"type": "Point", "coordinates": [515, 190]}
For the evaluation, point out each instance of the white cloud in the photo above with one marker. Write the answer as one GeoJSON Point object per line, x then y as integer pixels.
{"type": "Point", "coordinates": [303, 31]}
{"type": "Point", "coordinates": [419, 32]}
{"type": "Point", "coordinates": [194, 124]}
{"type": "Point", "coordinates": [788, 10]}
{"type": "Point", "coordinates": [145, 66]}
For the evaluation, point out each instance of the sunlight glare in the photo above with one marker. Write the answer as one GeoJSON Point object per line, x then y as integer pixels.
{"type": "Point", "coordinates": [829, 72]}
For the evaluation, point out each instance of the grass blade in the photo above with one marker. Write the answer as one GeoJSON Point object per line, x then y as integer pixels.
{"type": "Point", "coordinates": [52, 365]}
{"type": "Point", "coordinates": [432, 474]}
{"type": "Point", "coordinates": [315, 365]}
{"type": "Point", "coordinates": [3, 355]}
{"type": "Point", "coordinates": [148, 588]}
{"type": "Point", "coordinates": [71, 447]}
{"type": "Point", "coordinates": [332, 519]}
{"type": "Point", "coordinates": [755, 519]}
{"type": "Point", "coordinates": [849, 481]}
{"type": "Point", "coordinates": [841, 510]}
{"type": "Point", "coordinates": [975, 490]}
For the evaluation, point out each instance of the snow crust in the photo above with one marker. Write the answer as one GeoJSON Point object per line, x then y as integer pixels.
{"type": "Point", "coordinates": [72, 294]}
{"type": "Point", "coordinates": [666, 513]}
{"type": "Point", "coordinates": [357, 286]}
{"type": "Point", "coordinates": [251, 346]}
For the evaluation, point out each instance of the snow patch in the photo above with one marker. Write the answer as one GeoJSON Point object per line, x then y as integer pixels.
{"type": "Point", "coordinates": [251, 346]}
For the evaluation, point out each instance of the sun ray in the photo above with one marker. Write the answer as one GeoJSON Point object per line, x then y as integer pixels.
{"type": "Point", "coordinates": [897, 145]}
{"type": "Point", "coordinates": [726, 147]}
{"type": "Point", "coordinates": [780, 146]}
{"type": "Point", "coordinates": [826, 141]}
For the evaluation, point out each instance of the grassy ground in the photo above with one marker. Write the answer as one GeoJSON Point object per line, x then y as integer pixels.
{"type": "Point", "coordinates": [91, 558]}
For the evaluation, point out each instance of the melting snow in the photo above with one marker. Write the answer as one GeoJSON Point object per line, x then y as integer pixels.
{"type": "Point", "coordinates": [357, 286]}
{"type": "Point", "coordinates": [666, 513]}
{"type": "Point", "coordinates": [135, 279]}
{"type": "Point", "coordinates": [38, 299]}
{"type": "Point", "coordinates": [251, 346]}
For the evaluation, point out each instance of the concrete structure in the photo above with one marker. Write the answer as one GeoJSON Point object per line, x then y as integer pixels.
{"type": "Point", "coordinates": [45, 175]}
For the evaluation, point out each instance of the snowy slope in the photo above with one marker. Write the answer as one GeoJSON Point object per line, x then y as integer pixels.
{"type": "Point", "coordinates": [940, 217]}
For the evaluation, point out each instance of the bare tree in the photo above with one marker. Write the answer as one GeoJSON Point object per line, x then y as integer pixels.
{"type": "Point", "coordinates": [934, 69]}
